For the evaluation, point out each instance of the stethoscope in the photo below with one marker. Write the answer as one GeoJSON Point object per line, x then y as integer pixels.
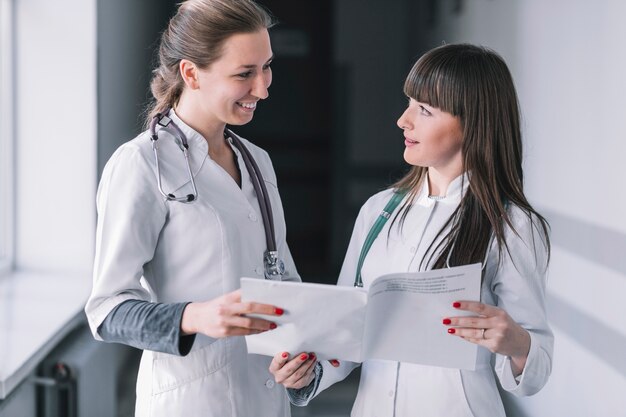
{"type": "Point", "coordinates": [378, 225]}
{"type": "Point", "coordinates": [274, 266]}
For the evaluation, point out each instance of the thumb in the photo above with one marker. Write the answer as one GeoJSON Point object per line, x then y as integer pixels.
{"type": "Point", "coordinates": [232, 297]}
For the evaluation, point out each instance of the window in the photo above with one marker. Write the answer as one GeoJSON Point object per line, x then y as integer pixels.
{"type": "Point", "coordinates": [7, 196]}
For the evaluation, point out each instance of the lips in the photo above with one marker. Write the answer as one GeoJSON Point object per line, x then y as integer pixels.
{"type": "Point", "coordinates": [410, 142]}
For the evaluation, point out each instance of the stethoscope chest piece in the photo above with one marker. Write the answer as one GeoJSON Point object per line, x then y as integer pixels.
{"type": "Point", "coordinates": [274, 266]}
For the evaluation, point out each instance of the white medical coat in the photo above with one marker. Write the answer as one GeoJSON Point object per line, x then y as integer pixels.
{"type": "Point", "coordinates": [150, 249]}
{"type": "Point", "coordinates": [398, 389]}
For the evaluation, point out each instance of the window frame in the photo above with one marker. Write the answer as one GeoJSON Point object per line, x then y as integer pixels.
{"type": "Point", "coordinates": [7, 138]}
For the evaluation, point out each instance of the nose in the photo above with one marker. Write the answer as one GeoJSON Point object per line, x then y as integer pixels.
{"type": "Point", "coordinates": [404, 121]}
{"type": "Point", "coordinates": [261, 84]}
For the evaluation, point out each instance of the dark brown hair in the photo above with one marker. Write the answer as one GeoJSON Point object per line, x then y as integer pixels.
{"type": "Point", "coordinates": [474, 84]}
{"type": "Point", "coordinates": [197, 32]}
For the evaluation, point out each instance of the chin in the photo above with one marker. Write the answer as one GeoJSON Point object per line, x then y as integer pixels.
{"type": "Point", "coordinates": [411, 160]}
{"type": "Point", "coordinates": [239, 121]}
{"type": "Point", "coordinates": [414, 161]}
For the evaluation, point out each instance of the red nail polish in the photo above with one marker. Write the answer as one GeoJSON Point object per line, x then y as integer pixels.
{"type": "Point", "coordinates": [272, 326]}
{"type": "Point", "coordinates": [304, 356]}
{"type": "Point", "coordinates": [456, 304]}
{"type": "Point", "coordinates": [312, 357]}
{"type": "Point", "coordinates": [284, 355]}
{"type": "Point", "coordinates": [447, 321]}
{"type": "Point", "coordinates": [279, 311]}
{"type": "Point", "coordinates": [451, 331]}
{"type": "Point", "coordinates": [334, 362]}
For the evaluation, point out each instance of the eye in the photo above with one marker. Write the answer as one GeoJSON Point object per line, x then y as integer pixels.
{"type": "Point", "coordinates": [267, 66]}
{"type": "Point", "coordinates": [244, 75]}
{"type": "Point", "coordinates": [425, 111]}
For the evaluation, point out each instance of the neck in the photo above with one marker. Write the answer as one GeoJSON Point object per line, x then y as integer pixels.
{"type": "Point", "coordinates": [211, 129]}
{"type": "Point", "coordinates": [438, 181]}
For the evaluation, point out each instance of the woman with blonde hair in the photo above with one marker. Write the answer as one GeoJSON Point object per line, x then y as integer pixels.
{"type": "Point", "coordinates": [184, 210]}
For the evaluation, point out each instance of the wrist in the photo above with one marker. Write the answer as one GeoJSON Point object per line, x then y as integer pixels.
{"type": "Point", "coordinates": [187, 323]}
{"type": "Point", "coordinates": [518, 361]}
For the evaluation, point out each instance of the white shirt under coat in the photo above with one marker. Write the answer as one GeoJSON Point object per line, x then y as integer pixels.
{"type": "Point", "coordinates": [389, 388]}
{"type": "Point", "coordinates": [150, 249]}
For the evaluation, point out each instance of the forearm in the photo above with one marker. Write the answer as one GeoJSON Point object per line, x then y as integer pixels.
{"type": "Point", "coordinates": [149, 326]}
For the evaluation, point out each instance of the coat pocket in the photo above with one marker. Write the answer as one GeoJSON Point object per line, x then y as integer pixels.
{"type": "Point", "coordinates": [170, 371]}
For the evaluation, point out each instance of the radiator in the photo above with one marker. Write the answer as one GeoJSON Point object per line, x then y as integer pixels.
{"type": "Point", "coordinates": [80, 377]}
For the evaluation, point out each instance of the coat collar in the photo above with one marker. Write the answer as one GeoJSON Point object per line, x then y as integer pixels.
{"type": "Point", "coordinates": [197, 143]}
{"type": "Point", "coordinates": [454, 194]}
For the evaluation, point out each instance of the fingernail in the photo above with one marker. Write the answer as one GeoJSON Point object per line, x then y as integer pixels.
{"type": "Point", "coordinates": [334, 362]}
{"type": "Point", "coordinates": [284, 355]}
{"type": "Point", "coordinates": [456, 304]}
{"type": "Point", "coordinates": [451, 331]}
{"type": "Point", "coordinates": [279, 311]}
{"type": "Point", "coordinates": [304, 356]}
{"type": "Point", "coordinates": [312, 356]}
{"type": "Point", "coordinates": [447, 321]}
{"type": "Point", "coordinates": [273, 326]}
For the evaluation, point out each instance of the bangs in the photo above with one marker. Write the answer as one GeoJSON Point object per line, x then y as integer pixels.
{"type": "Point", "coordinates": [437, 80]}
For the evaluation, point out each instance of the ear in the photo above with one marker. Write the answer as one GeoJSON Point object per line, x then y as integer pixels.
{"type": "Point", "coordinates": [189, 72]}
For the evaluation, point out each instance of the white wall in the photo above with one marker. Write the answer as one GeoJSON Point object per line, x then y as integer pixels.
{"type": "Point", "coordinates": [56, 134]}
{"type": "Point", "coordinates": [568, 59]}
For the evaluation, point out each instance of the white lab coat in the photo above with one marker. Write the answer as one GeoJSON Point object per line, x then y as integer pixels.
{"type": "Point", "coordinates": [402, 389]}
{"type": "Point", "coordinates": [151, 249]}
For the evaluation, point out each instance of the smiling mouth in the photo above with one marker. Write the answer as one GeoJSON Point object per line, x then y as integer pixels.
{"type": "Point", "coordinates": [410, 141]}
{"type": "Point", "coordinates": [249, 106]}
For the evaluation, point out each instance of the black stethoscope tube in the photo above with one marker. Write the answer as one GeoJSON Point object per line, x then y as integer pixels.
{"type": "Point", "coordinates": [261, 190]}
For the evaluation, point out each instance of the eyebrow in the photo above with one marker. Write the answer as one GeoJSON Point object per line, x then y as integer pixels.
{"type": "Point", "coordinates": [254, 66]}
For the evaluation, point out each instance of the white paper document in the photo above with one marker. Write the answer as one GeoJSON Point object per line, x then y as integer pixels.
{"type": "Point", "coordinates": [399, 318]}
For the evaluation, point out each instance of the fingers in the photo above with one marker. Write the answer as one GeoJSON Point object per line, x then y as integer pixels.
{"type": "Point", "coordinates": [302, 376]}
{"type": "Point", "coordinates": [472, 322]}
{"type": "Point", "coordinates": [465, 333]}
{"type": "Point", "coordinates": [233, 299]}
{"type": "Point", "coordinates": [279, 360]}
{"type": "Point", "coordinates": [250, 323]}
{"type": "Point", "coordinates": [256, 308]}
{"type": "Point", "coordinates": [476, 307]}
{"type": "Point", "coordinates": [294, 369]}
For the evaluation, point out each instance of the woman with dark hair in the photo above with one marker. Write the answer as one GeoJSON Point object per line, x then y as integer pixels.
{"type": "Point", "coordinates": [176, 230]}
{"type": "Point", "coordinates": [463, 203]}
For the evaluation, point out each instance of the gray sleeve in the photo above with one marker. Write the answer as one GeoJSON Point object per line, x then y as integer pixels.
{"type": "Point", "coordinates": [300, 397]}
{"type": "Point", "coordinates": [150, 326]}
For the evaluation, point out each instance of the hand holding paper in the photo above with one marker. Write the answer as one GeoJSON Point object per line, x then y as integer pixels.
{"type": "Point", "coordinates": [398, 319]}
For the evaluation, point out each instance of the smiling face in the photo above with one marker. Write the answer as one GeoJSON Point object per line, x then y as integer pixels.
{"type": "Point", "coordinates": [228, 91]}
{"type": "Point", "coordinates": [433, 138]}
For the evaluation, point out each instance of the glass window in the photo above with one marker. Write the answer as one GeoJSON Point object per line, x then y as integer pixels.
{"type": "Point", "coordinates": [7, 196]}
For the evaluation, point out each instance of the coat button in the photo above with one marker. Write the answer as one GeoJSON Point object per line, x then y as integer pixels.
{"type": "Point", "coordinates": [390, 393]}
{"type": "Point", "coordinates": [258, 270]}
{"type": "Point", "coordinates": [252, 217]}
{"type": "Point", "coordinates": [413, 249]}
{"type": "Point", "coordinates": [270, 383]}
